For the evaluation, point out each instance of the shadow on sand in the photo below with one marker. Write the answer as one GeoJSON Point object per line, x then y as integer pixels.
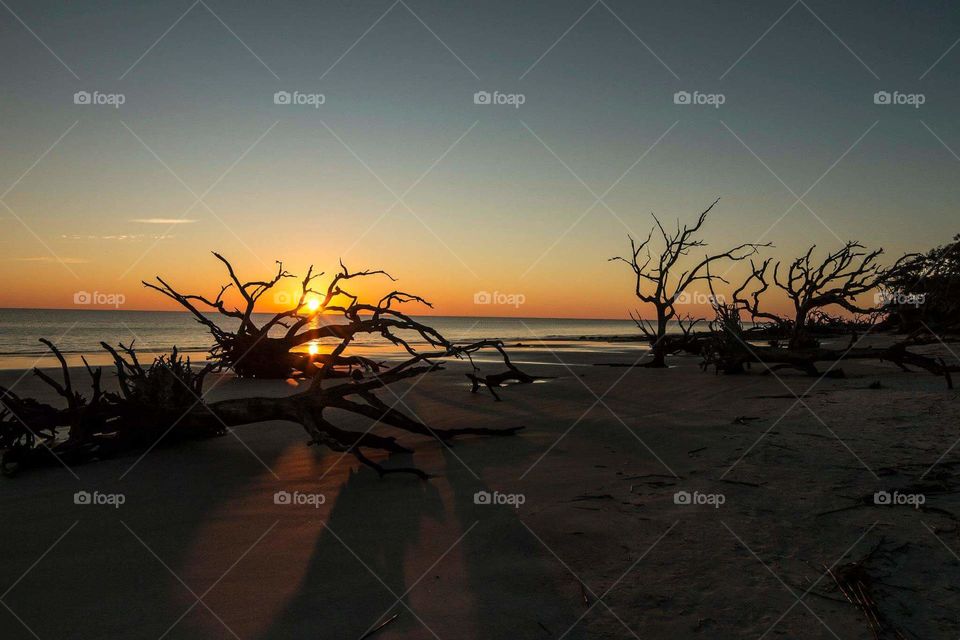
{"type": "Point", "coordinates": [497, 582]}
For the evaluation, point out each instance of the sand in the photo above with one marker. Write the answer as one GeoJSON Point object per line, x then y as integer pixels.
{"type": "Point", "coordinates": [599, 548]}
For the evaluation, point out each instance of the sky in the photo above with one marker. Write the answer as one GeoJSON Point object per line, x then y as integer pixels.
{"type": "Point", "coordinates": [389, 162]}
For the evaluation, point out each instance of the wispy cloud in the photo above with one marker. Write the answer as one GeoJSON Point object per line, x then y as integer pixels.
{"type": "Point", "coordinates": [121, 237]}
{"type": "Point", "coordinates": [51, 259]}
{"type": "Point", "coordinates": [163, 221]}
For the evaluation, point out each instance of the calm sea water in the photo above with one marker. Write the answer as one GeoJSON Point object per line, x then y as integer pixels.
{"type": "Point", "coordinates": [79, 332]}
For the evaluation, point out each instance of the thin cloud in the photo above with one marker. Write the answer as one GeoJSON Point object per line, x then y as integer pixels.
{"type": "Point", "coordinates": [163, 221]}
{"type": "Point", "coordinates": [51, 259]}
{"type": "Point", "coordinates": [122, 237]}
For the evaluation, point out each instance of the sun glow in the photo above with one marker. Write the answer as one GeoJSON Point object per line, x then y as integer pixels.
{"type": "Point", "coordinates": [313, 349]}
{"type": "Point", "coordinates": [313, 305]}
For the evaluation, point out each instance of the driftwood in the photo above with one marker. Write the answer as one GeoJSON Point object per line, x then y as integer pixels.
{"type": "Point", "coordinates": [150, 407]}
{"type": "Point", "coordinates": [856, 581]}
{"type": "Point", "coordinates": [26, 425]}
{"type": "Point", "coordinates": [496, 380]}
{"type": "Point", "coordinates": [836, 281]}
{"type": "Point", "coordinates": [806, 359]}
{"type": "Point", "coordinates": [793, 342]}
{"type": "Point", "coordinates": [264, 351]}
{"type": "Point", "coordinates": [729, 352]}
{"type": "Point", "coordinates": [165, 400]}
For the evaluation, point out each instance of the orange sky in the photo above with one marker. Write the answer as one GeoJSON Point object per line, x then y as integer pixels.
{"type": "Point", "coordinates": [603, 290]}
{"type": "Point", "coordinates": [402, 169]}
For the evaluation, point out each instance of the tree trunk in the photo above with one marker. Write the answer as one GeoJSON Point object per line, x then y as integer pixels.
{"type": "Point", "coordinates": [659, 347]}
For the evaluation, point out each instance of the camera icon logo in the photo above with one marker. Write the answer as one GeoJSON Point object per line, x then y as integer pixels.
{"type": "Point", "coordinates": [682, 497]}
{"type": "Point", "coordinates": [82, 297]}
{"type": "Point", "coordinates": [681, 97]}
{"type": "Point", "coordinates": [81, 497]}
{"type": "Point", "coordinates": [81, 97]}
{"type": "Point", "coordinates": [482, 97]}
{"type": "Point", "coordinates": [482, 497]}
{"type": "Point", "coordinates": [482, 297]}
{"type": "Point", "coordinates": [882, 497]}
{"type": "Point", "coordinates": [282, 497]}
{"type": "Point", "coordinates": [881, 97]}
{"type": "Point", "coordinates": [281, 97]}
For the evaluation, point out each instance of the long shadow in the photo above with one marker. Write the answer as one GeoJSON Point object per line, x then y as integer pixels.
{"type": "Point", "coordinates": [519, 588]}
{"type": "Point", "coordinates": [99, 579]}
{"type": "Point", "coordinates": [365, 541]}
{"type": "Point", "coordinates": [512, 587]}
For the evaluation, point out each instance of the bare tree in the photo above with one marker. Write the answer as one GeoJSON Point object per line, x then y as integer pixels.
{"type": "Point", "coordinates": [663, 275]}
{"type": "Point", "coordinates": [925, 294]}
{"type": "Point", "coordinates": [239, 343]}
{"type": "Point", "coordinates": [165, 400]}
{"type": "Point", "coordinates": [265, 350]}
{"type": "Point", "coordinates": [835, 282]}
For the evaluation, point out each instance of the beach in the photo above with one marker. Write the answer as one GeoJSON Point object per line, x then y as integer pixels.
{"type": "Point", "coordinates": [445, 320]}
{"type": "Point", "coordinates": [577, 531]}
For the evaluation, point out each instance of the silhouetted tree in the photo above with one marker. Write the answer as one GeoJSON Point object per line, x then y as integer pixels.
{"type": "Point", "coordinates": [926, 290]}
{"type": "Point", "coordinates": [165, 400]}
{"type": "Point", "coordinates": [837, 281]}
{"type": "Point", "coordinates": [265, 350]}
{"type": "Point", "coordinates": [663, 275]}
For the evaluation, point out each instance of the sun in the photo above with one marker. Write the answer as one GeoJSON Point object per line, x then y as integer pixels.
{"type": "Point", "coordinates": [313, 349]}
{"type": "Point", "coordinates": [313, 305]}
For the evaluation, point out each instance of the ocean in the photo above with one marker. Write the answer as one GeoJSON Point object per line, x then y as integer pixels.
{"type": "Point", "coordinates": [78, 333]}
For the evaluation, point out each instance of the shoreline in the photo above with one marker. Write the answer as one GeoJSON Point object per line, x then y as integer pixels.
{"type": "Point", "coordinates": [99, 357]}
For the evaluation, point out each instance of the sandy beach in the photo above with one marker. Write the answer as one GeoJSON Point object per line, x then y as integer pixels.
{"type": "Point", "coordinates": [588, 540]}
{"type": "Point", "coordinates": [445, 320]}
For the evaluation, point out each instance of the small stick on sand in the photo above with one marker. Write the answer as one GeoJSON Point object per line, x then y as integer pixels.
{"type": "Point", "coordinates": [379, 627]}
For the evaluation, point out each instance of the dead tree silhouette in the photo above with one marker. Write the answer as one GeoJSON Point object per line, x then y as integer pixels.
{"type": "Point", "coordinates": [658, 283]}
{"type": "Point", "coordinates": [166, 401]}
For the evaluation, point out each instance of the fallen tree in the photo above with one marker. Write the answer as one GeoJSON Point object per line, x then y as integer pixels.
{"type": "Point", "coordinates": [266, 350]}
{"type": "Point", "coordinates": [732, 360]}
{"type": "Point", "coordinates": [838, 280]}
{"type": "Point", "coordinates": [165, 401]}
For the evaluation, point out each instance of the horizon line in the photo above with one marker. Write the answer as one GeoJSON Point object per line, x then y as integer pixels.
{"type": "Point", "coordinates": [430, 315]}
